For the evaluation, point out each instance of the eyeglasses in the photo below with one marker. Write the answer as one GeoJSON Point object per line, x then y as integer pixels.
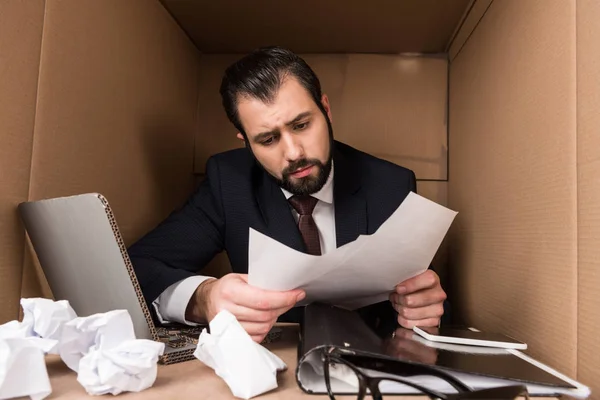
{"type": "Point", "coordinates": [350, 365]}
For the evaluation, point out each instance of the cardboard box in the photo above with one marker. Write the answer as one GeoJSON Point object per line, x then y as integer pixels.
{"type": "Point", "coordinates": [493, 103]}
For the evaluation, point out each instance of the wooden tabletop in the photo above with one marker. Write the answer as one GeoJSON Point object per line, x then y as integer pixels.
{"type": "Point", "coordinates": [193, 380]}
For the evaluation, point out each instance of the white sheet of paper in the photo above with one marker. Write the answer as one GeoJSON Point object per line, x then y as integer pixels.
{"type": "Point", "coordinates": [359, 273]}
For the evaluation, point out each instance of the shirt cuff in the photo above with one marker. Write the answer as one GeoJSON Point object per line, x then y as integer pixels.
{"type": "Point", "coordinates": [170, 306]}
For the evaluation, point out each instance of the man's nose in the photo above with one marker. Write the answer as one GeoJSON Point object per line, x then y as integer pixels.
{"type": "Point", "coordinates": [293, 148]}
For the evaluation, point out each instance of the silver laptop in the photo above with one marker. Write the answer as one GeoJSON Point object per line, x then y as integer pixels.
{"type": "Point", "coordinates": [84, 258]}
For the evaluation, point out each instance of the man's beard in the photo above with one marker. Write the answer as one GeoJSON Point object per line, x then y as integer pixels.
{"type": "Point", "coordinates": [309, 184]}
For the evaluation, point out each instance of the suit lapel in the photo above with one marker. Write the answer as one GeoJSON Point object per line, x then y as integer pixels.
{"type": "Point", "coordinates": [350, 206]}
{"type": "Point", "coordinates": [276, 214]}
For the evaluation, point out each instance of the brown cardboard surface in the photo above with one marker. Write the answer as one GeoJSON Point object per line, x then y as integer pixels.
{"type": "Point", "coordinates": [588, 164]}
{"type": "Point", "coordinates": [333, 26]}
{"type": "Point", "coordinates": [332, 72]}
{"type": "Point", "coordinates": [215, 133]}
{"type": "Point", "coordinates": [393, 107]}
{"type": "Point", "coordinates": [34, 283]}
{"type": "Point", "coordinates": [434, 190]}
{"type": "Point", "coordinates": [476, 11]}
{"type": "Point", "coordinates": [117, 109]}
{"type": "Point", "coordinates": [20, 41]}
{"type": "Point", "coordinates": [513, 177]}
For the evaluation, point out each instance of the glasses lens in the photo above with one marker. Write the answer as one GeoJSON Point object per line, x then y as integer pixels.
{"type": "Point", "coordinates": [342, 378]}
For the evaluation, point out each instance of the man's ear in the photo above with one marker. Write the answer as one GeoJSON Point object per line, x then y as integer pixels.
{"type": "Point", "coordinates": [326, 106]}
{"type": "Point", "coordinates": [240, 136]}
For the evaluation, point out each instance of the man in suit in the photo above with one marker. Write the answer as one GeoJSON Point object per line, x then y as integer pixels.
{"type": "Point", "coordinates": [292, 182]}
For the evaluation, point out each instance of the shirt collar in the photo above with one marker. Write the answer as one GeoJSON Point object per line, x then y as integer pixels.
{"type": "Point", "coordinates": [326, 192]}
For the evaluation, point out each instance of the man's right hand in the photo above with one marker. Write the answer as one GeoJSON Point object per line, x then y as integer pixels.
{"type": "Point", "coordinates": [256, 309]}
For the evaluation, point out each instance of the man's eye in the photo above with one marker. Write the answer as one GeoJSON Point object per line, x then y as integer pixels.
{"type": "Point", "coordinates": [268, 141]}
{"type": "Point", "coordinates": [301, 126]}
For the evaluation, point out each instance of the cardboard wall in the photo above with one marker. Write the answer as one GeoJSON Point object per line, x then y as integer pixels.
{"type": "Point", "coordinates": [326, 27]}
{"type": "Point", "coordinates": [115, 113]}
{"type": "Point", "coordinates": [20, 41]}
{"type": "Point", "coordinates": [514, 131]}
{"type": "Point", "coordinates": [588, 169]}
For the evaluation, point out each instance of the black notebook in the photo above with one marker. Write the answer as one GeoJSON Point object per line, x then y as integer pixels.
{"type": "Point", "coordinates": [327, 327]}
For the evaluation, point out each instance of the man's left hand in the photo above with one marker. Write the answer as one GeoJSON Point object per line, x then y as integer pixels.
{"type": "Point", "coordinates": [419, 300]}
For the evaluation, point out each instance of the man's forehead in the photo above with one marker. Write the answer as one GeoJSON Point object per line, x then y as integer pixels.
{"type": "Point", "coordinates": [257, 115]}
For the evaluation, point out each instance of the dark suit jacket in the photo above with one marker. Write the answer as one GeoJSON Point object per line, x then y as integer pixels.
{"type": "Point", "coordinates": [238, 194]}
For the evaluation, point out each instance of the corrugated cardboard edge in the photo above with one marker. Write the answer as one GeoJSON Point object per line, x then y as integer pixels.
{"type": "Point", "coordinates": [171, 358]}
{"type": "Point", "coordinates": [136, 285]}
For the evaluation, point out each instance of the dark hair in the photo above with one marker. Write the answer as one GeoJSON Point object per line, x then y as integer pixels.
{"type": "Point", "coordinates": [260, 75]}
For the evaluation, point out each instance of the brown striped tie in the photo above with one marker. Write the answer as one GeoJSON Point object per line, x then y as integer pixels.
{"type": "Point", "coordinates": [304, 205]}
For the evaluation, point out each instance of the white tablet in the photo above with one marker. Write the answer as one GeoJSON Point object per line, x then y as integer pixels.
{"type": "Point", "coordinates": [469, 337]}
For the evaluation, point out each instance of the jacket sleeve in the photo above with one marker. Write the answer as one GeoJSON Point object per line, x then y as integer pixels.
{"type": "Point", "coordinates": [182, 244]}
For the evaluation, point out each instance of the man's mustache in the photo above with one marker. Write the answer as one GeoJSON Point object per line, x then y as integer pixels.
{"type": "Point", "coordinates": [299, 164]}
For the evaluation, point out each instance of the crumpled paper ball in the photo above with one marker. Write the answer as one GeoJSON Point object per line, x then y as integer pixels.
{"type": "Point", "coordinates": [23, 367]}
{"type": "Point", "coordinates": [102, 348]}
{"type": "Point", "coordinates": [247, 367]}
{"type": "Point", "coordinates": [42, 318]}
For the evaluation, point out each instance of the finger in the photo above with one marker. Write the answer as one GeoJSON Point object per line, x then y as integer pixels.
{"type": "Point", "coordinates": [256, 328]}
{"type": "Point", "coordinates": [244, 277]}
{"type": "Point", "coordinates": [260, 299]}
{"type": "Point", "coordinates": [258, 338]}
{"type": "Point", "coordinates": [427, 279]}
{"type": "Point", "coordinates": [425, 323]}
{"type": "Point", "coordinates": [421, 298]}
{"type": "Point", "coordinates": [243, 313]}
{"type": "Point", "coordinates": [431, 311]}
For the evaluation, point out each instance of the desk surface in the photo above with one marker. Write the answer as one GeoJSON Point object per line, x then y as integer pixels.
{"type": "Point", "coordinates": [194, 380]}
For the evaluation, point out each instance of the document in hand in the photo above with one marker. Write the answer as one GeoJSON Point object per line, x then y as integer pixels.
{"type": "Point", "coordinates": [359, 273]}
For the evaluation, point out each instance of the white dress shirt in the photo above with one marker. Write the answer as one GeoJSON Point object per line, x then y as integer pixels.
{"type": "Point", "coordinates": [170, 306]}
